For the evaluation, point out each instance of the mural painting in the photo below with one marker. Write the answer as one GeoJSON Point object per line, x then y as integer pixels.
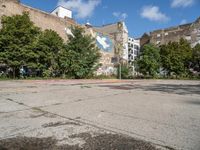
{"type": "Point", "coordinates": [104, 42]}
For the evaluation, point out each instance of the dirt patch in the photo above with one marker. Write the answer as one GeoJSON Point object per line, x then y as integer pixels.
{"type": "Point", "coordinates": [56, 124]}
{"type": "Point", "coordinates": [99, 142]}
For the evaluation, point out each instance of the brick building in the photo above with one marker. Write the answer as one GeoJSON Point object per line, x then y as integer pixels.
{"type": "Point", "coordinates": [190, 32]}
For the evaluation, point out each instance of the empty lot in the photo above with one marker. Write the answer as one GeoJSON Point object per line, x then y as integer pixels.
{"type": "Point", "coordinates": [80, 113]}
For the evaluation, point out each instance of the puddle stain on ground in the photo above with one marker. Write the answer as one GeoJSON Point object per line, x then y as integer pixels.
{"type": "Point", "coordinates": [85, 86]}
{"type": "Point", "coordinates": [98, 142]}
{"type": "Point", "coordinates": [31, 87]}
{"type": "Point", "coordinates": [119, 87]}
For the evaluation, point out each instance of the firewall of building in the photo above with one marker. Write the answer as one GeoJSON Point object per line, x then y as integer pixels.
{"type": "Point", "coordinates": [111, 39]}
{"type": "Point", "coordinates": [190, 32]}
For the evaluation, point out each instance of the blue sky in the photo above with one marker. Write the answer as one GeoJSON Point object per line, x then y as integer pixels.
{"type": "Point", "coordinates": [140, 15]}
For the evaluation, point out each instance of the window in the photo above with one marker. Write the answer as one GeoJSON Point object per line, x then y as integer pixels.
{"type": "Point", "coordinates": [131, 58]}
{"type": "Point", "coordinates": [136, 47]}
{"type": "Point", "coordinates": [131, 45]}
{"type": "Point", "coordinates": [135, 52]}
{"type": "Point", "coordinates": [57, 13]}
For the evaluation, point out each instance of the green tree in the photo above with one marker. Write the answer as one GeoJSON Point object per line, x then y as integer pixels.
{"type": "Point", "coordinates": [148, 62]}
{"type": "Point", "coordinates": [196, 58]}
{"type": "Point", "coordinates": [176, 57]}
{"type": "Point", "coordinates": [48, 46]}
{"type": "Point", "coordinates": [80, 57]}
{"type": "Point", "coordinates": [16, 39]}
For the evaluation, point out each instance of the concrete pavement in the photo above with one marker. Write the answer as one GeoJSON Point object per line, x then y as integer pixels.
{"type": "Point", "coordinates": [163, 112]}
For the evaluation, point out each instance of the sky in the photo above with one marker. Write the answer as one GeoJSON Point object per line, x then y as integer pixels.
{"type": "Point", "coordinates": [140, 16]}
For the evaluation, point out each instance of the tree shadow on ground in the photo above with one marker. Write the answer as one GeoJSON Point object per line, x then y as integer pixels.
{"type": "Point", "coordinates": [186, 89]}
{"type": "Point", "coordinates": [100, 142]}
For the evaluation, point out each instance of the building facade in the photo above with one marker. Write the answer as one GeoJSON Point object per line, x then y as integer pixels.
{"type": "Point", "coordinates": [119, 32]}
{"type": "Point", "coordinates": [190, 32]}
{"type": "Point", "coordinates": [133, 51]}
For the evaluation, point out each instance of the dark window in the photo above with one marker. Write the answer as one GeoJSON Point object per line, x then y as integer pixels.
{"type": "Point", "coordinates": [136, 52]}
{"type": "Point", "coordinates": [136, 47]}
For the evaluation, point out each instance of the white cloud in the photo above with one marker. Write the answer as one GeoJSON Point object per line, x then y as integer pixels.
{"type": "Point", "coordinates": [119, 15]}
{"type": "Point", "coordinates": [184, 21]}
{"type": "Point", "coordinates": [153, 13]}
{"type": "Point", "coordinates": [82, 8]}
{"type": "Point", "coordinates": [182, 3]}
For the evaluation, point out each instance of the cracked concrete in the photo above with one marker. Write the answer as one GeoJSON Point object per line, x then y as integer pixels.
{"type": "Point", "coordinates": [163, 112]}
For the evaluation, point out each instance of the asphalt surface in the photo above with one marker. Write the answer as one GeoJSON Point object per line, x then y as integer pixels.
{"type": "Point", "coordinates": [163, 114]}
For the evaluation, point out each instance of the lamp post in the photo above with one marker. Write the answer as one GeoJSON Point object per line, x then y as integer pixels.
{"type": "Point", "coordinates": [116, 60]}
{"type": "Point", "coordinates": [120, 71]}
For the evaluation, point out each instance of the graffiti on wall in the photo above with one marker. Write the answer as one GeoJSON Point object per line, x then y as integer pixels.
{"type": "Point", "coordinates": [104, 42]}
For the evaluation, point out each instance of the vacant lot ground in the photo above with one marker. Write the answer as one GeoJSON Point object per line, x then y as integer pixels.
{"type": "Point", "coordinates": [95, 114]}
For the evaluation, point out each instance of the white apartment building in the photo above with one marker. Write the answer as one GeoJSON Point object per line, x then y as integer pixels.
{"type": "Point", "coordinates": [133, 50]}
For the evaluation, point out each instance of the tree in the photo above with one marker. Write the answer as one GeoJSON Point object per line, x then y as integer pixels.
{"type": "Point", "coordinates": [176, 57]}
{"type": "Point", "coordinates": [148, 62]}
{"type": "Point", "coordinates": [48, 47]}
{"type": "Point", "coordinates": [80, 57]}
{"type": "Point", "coordinates": [16, 38]}
{"type": "Point", "coordinates": [196, 58]}
{"type": "Point", "coordinates": [126, 71]}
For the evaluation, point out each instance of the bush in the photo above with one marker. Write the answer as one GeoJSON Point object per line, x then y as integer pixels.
{"type": "Point", "coordinates": [126, 71]}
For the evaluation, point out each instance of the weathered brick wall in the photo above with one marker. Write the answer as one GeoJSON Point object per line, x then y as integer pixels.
{"type": "Point", "coordinates": [190, 32]}
{"type": "Point", "coordinates": [45, 20]}
{"type": "Point", "coordinates": [40, 18]}
{"type": "Point", "coordinates": [170, 34]}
